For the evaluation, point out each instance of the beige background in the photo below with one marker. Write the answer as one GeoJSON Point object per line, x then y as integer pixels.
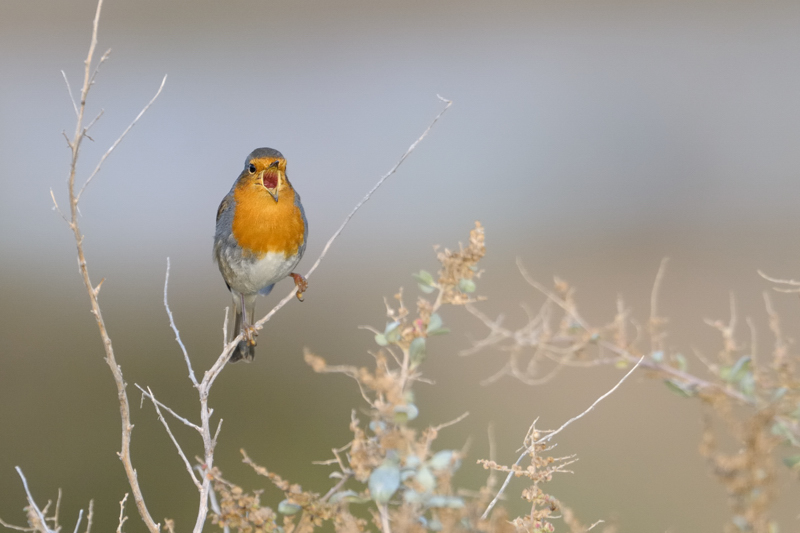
{"type": "Point", "coordinates": [591, 138]}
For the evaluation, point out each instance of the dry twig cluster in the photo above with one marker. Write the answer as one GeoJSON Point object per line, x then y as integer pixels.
{"type": "Point", "coordinates": [758, 401]}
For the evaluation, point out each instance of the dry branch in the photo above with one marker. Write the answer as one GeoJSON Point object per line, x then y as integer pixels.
{"type": "Point", "coordinates": [75, 145]}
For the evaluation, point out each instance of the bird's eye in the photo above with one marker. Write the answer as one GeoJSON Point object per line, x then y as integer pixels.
{"type": "Point", "coordinates": [252, 168]}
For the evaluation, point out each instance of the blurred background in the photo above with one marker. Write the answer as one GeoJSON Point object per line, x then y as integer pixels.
{"type": "Point", "coordinates": [590, 138]}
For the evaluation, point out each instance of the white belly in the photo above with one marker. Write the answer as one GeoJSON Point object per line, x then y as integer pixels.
{"type": "Point", "coordinates": [251, 275]}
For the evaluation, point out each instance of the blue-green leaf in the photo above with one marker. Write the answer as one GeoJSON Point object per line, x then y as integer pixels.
{"type": "Point", "coordinates": [424, 277]}
{"type": "Point", "coordinates": [392, 332]}
{"type": "Point", "coordinates": [426, 479]}
{"type": "Point", "coordinates": [427, 289]}
{"type": "Point", "coordinates": [287, 507]}
{"type": "Point", "coordinates": [417, 351]}
{"type": "Point", "coordinates": [466, 285]}
{"type": "Point", "coordinates": [747, 384]}
{"type": "Point", "coordinates": [404, 413]}
{"type": "Point", "coordinates": [349, 496]}
{"type": "Point", "coordinates": [412, 496]}
{"type": "Point", "coordinates": [792, 462]}
{"type": "Point", "coordinates": [440, 500]}
{"type": "Point", "coordinates": [444, 460]}
{"type": "Point", "coordinates": [435, 322]}
{"type": "Point", "coordinates": [739, 369]}
{"type": "Point", "coordinates": [679, 388]}
{"type": "Point", "coordinates": [384, 482]}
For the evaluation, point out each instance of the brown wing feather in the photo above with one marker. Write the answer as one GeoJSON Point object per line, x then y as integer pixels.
{"type": "Point", "coordinates": [223, 206]}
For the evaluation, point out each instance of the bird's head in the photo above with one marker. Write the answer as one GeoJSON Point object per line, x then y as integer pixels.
{"type": "Point", "coordinates": [266, 168]}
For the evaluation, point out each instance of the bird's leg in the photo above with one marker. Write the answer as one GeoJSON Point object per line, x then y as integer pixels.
{"type": "Point", "coordinates": [301, 284]}
{"type": "Point", "coordinates": [248, 330]}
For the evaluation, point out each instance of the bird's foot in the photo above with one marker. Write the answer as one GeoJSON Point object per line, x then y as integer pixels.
{"type": "Point", "coordinates": [301, 283]}
{"type": "Point", "coordinates": [249, 332]}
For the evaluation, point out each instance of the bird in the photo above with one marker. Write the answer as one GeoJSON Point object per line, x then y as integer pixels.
{"type": "Point", "coordinates": [260, 238]}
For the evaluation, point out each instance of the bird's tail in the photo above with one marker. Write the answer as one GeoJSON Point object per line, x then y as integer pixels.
{"type": "Point", "coordinates": [245, 350]}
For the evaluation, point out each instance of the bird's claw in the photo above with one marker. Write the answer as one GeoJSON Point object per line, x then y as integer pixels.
{"type": "Point", "coordinates": [301, 283]}
{"type": "Point", "coordinates": [249, 332]}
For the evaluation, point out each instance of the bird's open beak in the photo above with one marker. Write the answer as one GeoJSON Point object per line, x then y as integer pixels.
{"type": "Point", "coordinates": [270, 178]}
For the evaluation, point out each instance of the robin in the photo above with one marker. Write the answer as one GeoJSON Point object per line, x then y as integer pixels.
{"type": "Point", "coordinates": [261, 236]}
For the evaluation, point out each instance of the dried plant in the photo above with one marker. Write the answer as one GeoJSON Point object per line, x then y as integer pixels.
{"type": "Point", "coordinates": [757, 401]}
{"type": "Point", "coordinates": [390, 470]}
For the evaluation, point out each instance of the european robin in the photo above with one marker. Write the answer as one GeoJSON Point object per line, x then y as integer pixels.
{"type": "Point", "coordinates": [261, 236]}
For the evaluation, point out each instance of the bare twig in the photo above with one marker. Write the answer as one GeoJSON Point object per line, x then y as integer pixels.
{"type": "Point", "coordinates": [58, 509]}
{"type": "Point", "coordinates": [36, 517]}
{"type": "Point", "coordinates": [89, 517]}
{"type": "Point", "coordinates": [185, 421]}
{"type": "Point", "coordinates": [12, 526]}
{"type": "Point", "coordinates": [78, 523]}
{"type": "Point", "coordinates": [122, 517]}
{"type": "Point", "coordinates": [595, 525]}
{"type": "Point", "coordinates": [453, 422]}
{"type": "Point", "coordinates": [492, 480]}
{"type": "Point", "coordinates": [552, 434]}
{"type": "Point", "coordinates": [188, 465]}
{"type": "Point", "coordinates": [75, 145]}
{"type": "Point", "coordinates": [558, 301]}
{"type": "Point", "coordinates": [794, 286]}
{"type": "Point", "coordinates": [175, 329]}
{"type": "Point", "coordinates": [69, 90]}
{"type": "Point", "coordinates": [119, 139]}
{"type": "Point", "coordinates": [212, 497]}
{"type": "Point", "coordinates": [384, 511]}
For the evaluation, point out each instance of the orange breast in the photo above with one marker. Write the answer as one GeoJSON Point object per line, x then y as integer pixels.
{"type": "Point", "coordinates": [261, 225]}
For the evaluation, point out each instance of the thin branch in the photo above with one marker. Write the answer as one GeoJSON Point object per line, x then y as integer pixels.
{"type": "Point", "coordinates": [177, 333]}
{"type": "Point", "coordinates": [212, 497]}
{"type": "Point", "coordinates": [188, 465]}
{"type": "Point", "coordinates": [12, 526]}
{"type": "Point", "coordinates": [778, 280]}
{"type": "Point", "coordinates": [124, 407]}
{"type": "Point", "coordinates": [56, 208]}
{"type": "Point", "coordinates": [89, 517]}
{"type": "Point", "coordinates": [119, 140]}
{"type": "Point", "coordinates": [492, 480]}
{"type": "Point", "coordinates": [558, 301]}
{"type": "Point", "coordinates": [595, 524]}
{"type": "Point", "coordinates": [95, 119]}
{"type": "Point", "coordinates": [69, 90]}
{"type": "Point", "coordinates": [122, 517]}
{"type": "Point", "coordinates": [384, 511]}
{"type": "Point", "coordinates": [591, 407]}
{"type": "Point", "coordinates": [185, 421]}
{"type": "Point", "coordinates": [58, 509]}
{"type": "Point", "coordinates": [336, 234]}
{"type": "Point", "coordinates": [554, 433]}
{"type": "Point", "coordinates": [41, 523]}
{"type": "Point", "coordinates": [451, 423]}
{"type": "Point", "coordinates": [345, 477]}
{"type": "Point", "coordinates": [78, 523]}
